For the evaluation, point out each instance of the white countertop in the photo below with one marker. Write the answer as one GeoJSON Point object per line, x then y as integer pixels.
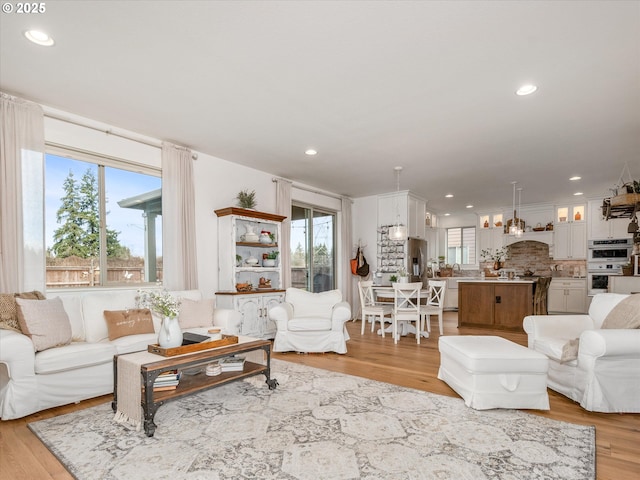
{"type": "Point", "coordinates": [497, 280]}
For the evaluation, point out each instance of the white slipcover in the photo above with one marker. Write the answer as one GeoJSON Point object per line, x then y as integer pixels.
{"type": "Point", "coordinates": [606, 375]}
{"type": "Point", "coordinates": [30, 382]}
{"type": "Point", "coordinates": [311, 322]}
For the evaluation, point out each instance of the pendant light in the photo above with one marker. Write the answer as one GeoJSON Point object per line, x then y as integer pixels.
{"type": "Point", "coordinates": [513, 228]}
{"type": "Point", "coordinates": [519, 230]}
{"type": "Point", "coordinates": [398, 232]}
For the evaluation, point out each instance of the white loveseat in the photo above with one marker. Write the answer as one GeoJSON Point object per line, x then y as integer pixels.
{"type": "Point", "coordinates": [605, 376]}
{"type": "Point", "coordinates": [311, 322]}
{"type": "Point", "coordinates": [30, 382]}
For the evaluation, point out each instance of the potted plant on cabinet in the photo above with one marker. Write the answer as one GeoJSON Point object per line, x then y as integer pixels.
{"type": "Point", "coordinates": [270, 259]}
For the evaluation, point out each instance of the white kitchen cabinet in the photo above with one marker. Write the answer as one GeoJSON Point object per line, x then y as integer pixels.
{"type": "Point", "coordinates": [570, 233]}
{"type": "Point", "coordinates": [567, 295]}
{"type": "Point", "coordinates": [254, 309]}
{"type": "Point", "coordinates": [405, 208]}
{"type": "Point", "coordinates": [237, 245]}
{"type": "Point", "coordinates": [602, 229]}
{"type": "Point", "coordinates": [570, 241]}
{"type": "Point", "coordinates": [490, 239]}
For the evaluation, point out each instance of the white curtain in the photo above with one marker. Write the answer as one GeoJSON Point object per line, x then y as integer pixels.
{"type": "Point", "coordinates": [22, 259]}
{"type": "Point", "coordinates": [178, 219]}
{"type": "Point", "coordinates": [346, 278]}
{"type": "Point", "coordinates": [283, 207]}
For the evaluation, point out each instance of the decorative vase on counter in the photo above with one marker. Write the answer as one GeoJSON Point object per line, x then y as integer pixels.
{"type": "Point", "coordinates": [497, 265]}
{"type": "Point", "coordinates": [170, 333]}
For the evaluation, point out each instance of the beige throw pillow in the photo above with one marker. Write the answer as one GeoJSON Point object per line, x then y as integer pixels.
{"type": "Point", "coordinates": [45, 321]}
{"type": "Point", "coordinates": [9, 309]}
{"type": "Point", "coordinates": [195, 314]}
{"type": "Point", "coordinates": [135, 321]}
{"type": "Point", "coordinates": [625, 314]}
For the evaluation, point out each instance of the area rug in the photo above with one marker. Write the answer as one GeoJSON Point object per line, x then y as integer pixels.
{"type": "Point", "coordinates": [320, 425]}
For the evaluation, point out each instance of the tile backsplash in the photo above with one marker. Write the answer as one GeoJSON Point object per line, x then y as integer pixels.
{"type": "Point", "coordinates": [535, 256]}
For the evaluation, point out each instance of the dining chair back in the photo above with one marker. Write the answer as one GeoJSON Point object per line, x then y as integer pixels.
{"type": "Point", "coordinates": [369, 307]}
{"type": "Point", "coordinates": [406, 307]}
{"type": "Point", "coordinates": [435, 303]}
{"type": "Point", "coordinates": [540, 296]}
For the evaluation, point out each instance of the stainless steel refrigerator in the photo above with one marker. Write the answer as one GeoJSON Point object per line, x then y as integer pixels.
{"type": "Point", "coordinates": [416, 262]}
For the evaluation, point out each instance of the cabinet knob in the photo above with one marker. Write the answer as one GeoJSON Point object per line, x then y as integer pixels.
{"type": "Point", "coordinates": [498, 299]}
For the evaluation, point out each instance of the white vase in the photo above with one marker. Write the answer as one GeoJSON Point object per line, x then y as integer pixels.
{"type": "Point", "coordinates": [170, 333]}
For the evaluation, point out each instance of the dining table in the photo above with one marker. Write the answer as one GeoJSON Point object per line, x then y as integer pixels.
{"type": "Point", "coordinates": [385, 294]}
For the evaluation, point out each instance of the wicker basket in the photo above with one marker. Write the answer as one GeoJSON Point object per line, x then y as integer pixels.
{"type": "Point", "coordinates": [446, 272]}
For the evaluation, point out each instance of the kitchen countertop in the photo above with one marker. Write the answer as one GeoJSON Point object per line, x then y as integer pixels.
{"type": "Point", "coordinates": [498, 280]}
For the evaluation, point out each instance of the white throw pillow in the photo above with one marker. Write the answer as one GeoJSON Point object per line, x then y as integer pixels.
{"type": "Point", "coordinates": [195, 314]}
{"type": "Point", "coordinates": [45, 321]}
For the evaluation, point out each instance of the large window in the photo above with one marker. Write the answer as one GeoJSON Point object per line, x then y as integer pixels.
{"type": "Point", "coordinates": [102, 222]}
{"type": "Point", "coordinates": [312, 249]}
{"type": "Point", "coordinates": [461, 245]}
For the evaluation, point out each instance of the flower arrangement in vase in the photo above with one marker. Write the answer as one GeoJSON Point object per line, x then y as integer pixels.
{"type": "Point", "coordinates": [168, 307]}
{"type": "Point", "coordinates": [495, 256]}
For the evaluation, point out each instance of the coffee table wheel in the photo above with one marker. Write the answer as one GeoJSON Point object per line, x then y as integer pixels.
{"type": "Point", "coordinates": [273, 383]}
{"type": "Point", "coordinates": [114, 406]}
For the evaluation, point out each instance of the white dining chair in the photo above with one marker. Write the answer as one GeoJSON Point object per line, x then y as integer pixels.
{"type": "Point", "coordinates": [406, 307]}
{"type": "Point", "coordinates": [435, 303]}
{"type": "Point", "coordinates": [370, 308]}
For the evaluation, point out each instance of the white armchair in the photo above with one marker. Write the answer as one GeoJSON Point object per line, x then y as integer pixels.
{"type": "Point", "coordinates": [605, 376]}
{"type": "Point", "coordinates": [311, 322]}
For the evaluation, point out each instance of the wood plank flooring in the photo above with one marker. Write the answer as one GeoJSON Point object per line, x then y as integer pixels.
{"type": "Point", "coordinates": [24, 457]}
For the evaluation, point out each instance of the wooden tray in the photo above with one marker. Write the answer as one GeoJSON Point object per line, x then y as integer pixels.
{"type": "Point", "coordinates": [195, 347]}
{"type": "Point", "coordinates": [625, 199]}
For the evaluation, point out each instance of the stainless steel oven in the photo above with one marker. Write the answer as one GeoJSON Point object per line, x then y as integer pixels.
{"type": "Point", "coordinates": [598, 277]}
{"type": "Point", "coordinates": [610, 251]}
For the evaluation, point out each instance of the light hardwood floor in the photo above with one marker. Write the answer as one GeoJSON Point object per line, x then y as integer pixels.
{"type": "Point", "coordinates": [23, 456]}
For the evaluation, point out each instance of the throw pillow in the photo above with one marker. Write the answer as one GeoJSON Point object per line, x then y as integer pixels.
{"type": "Point", "coordinates": [625, 314]}
{"type": "Point", "coordinates": [9, 309]}
{"type": "Point", "coordinates": [195, 314]}
{"type": "Point", "coordinates": [570, 350]}
{"type": "Point", "coordinates": [121, 323]}
{"type": "Point", "coordinates": [45, 321]}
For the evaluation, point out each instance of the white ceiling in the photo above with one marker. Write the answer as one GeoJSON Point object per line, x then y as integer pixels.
{"type": "Point", "coordinates": [371, 85]}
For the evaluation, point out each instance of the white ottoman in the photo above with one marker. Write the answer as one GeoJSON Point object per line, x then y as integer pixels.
{"type": "Point", "coordinates": [491, 372]}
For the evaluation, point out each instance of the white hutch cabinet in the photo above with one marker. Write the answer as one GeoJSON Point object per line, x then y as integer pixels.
{"type": "Point", "coordinates": [242, 237]}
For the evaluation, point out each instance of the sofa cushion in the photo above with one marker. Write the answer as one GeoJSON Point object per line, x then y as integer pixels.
{"type": "Point", "coordinates": [73, 356]}
{"type": "Point", "coordinates": [121, 323]}
{"type": "Point", "coordinates": [73, 306]}
{"type": "Point", "coordinates": [308, 304]}
{"type": "Point", "coordinates": [133, 343]}
{"type": "Point", "coordinates": [9, 309]}
{"type": "Point", "coordinates": [45, 322]}
{"type": "Point", "coordinates": [93, 306]}
{"type": "Point", "coordinates": [195, 314]}
{"type": "Point", "coordinates": [309, 324]}
{"type": "Point", "coordinates": [625, 314]}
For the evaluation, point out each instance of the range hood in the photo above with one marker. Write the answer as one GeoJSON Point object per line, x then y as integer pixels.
{"type": "Point", "coordinates": [542, 237]}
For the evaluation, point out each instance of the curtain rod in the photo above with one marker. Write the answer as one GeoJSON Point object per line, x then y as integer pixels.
{"type": "Point", "coordinates": [312, 190]}
{"type": "Point", "coordinates": [156, 144]}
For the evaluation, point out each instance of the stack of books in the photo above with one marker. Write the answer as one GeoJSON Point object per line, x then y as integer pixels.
{"type": "Point", "coordinates": [167, 381]}
{"type": "Point", "coordinates": [232, 364]}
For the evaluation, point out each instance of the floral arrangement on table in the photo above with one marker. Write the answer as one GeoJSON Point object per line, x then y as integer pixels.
{"type": "Point", "coordinates": [163, 303]}
{"type": "Point", "coordinates": [494, 256]}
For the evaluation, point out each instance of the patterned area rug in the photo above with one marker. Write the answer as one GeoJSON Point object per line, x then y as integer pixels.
{"type": "Point", "coordinates": [320, 425]}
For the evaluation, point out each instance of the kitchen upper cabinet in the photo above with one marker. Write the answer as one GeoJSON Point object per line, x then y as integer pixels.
{"type": "Point", "coordinates": [408, 209]}
{"type": "Point", "coordinates": [570, 233]}
{"type": "Point", "coordinates": [602, 229]}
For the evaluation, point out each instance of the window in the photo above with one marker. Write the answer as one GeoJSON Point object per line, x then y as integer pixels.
{"type": "Point", "coordinates": [312, 249]}
{"type": "Point", "coordinates": [103, 222]}
{"type": "Point", "coordinates": [461, 245]}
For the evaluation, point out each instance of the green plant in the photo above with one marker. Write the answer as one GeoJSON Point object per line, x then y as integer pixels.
{"type": "Point", "coordinates": [393, 278]}
{"type": "Point", "coordinates": [247, 199]}
{"type": "Point", "coordinates": [272, 255]}
{"type": "Point", "coordinates": [402, 272]}
{"type": "Point", "coordinates": [238, 259]}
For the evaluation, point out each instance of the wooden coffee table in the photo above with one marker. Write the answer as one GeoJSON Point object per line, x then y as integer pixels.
{"type": "Point", "coordinates": [193, 383]}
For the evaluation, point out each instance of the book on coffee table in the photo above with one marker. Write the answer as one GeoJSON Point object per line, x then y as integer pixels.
{"type": "Point", "coordinates": [232, 364]}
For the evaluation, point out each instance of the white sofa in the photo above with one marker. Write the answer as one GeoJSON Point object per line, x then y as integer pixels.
{"type": "Point", "coordinates": [606, 375]}
{"type": "Point", "coordinates": [30, 382]}
{"type": "Point", "coordinates": [311, 322]}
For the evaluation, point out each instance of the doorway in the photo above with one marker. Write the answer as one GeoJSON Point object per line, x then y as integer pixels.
{"type": "Point", "coordinates": [313, 252]}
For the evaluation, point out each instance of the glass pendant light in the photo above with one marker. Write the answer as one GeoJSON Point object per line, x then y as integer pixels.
{"type": "Point", "coordinates": [519, 230]}
{"type": "Point", "coordinates": [398, 232]}
{"type": "Point", "coordinates": [513, 228]}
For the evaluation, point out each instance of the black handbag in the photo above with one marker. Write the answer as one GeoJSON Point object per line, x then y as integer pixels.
{"type": "Point", "coordinates": [363, 266]}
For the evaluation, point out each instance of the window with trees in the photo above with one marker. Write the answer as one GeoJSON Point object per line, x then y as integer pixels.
{"type": "Point", "coordinates": [461, 245]}
{"type": "Point", "coordinates": [103, 223]}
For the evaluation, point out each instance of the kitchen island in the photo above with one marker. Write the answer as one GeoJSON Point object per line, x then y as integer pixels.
{"type": "Point", "coordinates": [501, 304]}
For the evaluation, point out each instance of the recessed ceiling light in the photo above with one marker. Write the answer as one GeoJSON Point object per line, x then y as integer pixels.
{"type": "Point", "coordinates": [38, 37]}
{"type": "Point", "coordinates": [578, 193]}
{"type": "Point", "coordinates": [311, 151]}
{"type": "Point", "coordinates": [449, 195]}
{"type": "Point", "coordinates": [447, 214]}
{"type": "Point", "coordinates": [469, 206]}
{"type": "Point", "coordinates": [526, 90]}
{"type": "Point", "coordinates": [573, 179]}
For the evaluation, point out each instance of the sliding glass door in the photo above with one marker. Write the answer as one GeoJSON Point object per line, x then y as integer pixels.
{"type": "Point", "coordinates": [313, 248]}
